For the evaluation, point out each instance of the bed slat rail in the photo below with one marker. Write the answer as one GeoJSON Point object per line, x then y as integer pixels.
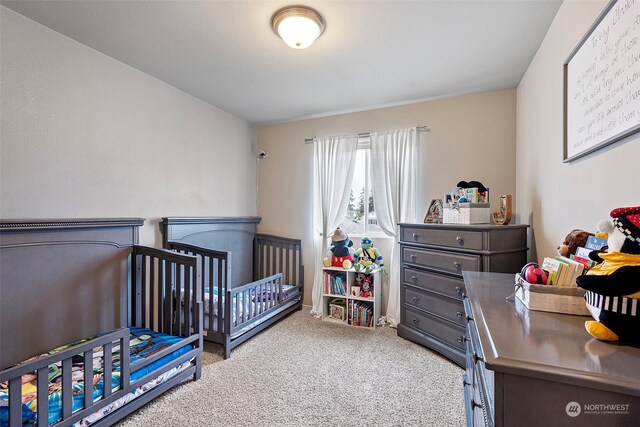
{"type": "Point", "coordinates": [161, 277]}
{"type": "Point", "coordinates": [41, 366]}
{"type": "Point", "coordinates": [253, 301]}
{"type": "Point", "coordinates": [216, 276]}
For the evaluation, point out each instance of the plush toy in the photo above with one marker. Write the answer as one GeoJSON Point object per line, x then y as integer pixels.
{"type": "Point", "coordinates": [613, 286]}
{"type": "Point", "coordinates": [341, 252]}
{"type": "Point", "coordinates": [368, 258]}
{"type": "Point", "coordinates": [366, 290]}
{"type": "Point", "coordinates": [574, 239]}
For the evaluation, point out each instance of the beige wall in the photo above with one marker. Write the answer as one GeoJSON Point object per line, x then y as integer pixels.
{"type": "Point", "coordinates": [555, 196]}
{"type": "Point", "coordinates": [472, 138]}
{"type": "Point", "coordinates": [83, 135]}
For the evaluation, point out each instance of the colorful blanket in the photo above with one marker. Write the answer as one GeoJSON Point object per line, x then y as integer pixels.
{"type": "Point", "coordinates": [144, 343]}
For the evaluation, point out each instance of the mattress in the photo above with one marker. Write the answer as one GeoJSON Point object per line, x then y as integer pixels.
{"type": "Point", "coordinates": [144, 343]}
{"type": "Point", "coordinates": [262, 298]}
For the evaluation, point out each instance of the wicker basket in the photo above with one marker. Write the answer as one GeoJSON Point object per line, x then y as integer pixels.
{"type": "Point", "coordinates": [555, 299]}
{"type": "Point", "coordinates": [466, 213]}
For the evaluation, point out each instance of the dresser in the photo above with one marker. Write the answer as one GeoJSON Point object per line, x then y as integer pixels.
{"type": "Point", "coordinates": [533, 368]}
{"type": "Point", "coordinates": [433, 257]}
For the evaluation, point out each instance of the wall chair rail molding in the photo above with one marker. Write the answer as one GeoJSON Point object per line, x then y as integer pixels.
{"type": "Point", "coordinates": [602, 82]}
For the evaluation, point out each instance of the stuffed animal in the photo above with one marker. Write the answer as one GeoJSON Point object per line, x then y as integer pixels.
{"type": "Point", "coordinates": [574, 239]}
{"type": "Point", "coordinates": [368, 258]}
{"type": "Point", "coordinates": [341, 252]}
{"type": "Point", "coordinates": [613, 286]}
{"type": "Point", "coordinates": [366, 289]}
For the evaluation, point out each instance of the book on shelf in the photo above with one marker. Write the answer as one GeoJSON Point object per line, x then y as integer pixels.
{"type": "Point", "coordinates": [361, 313]}
{"type": "Point", "coordinates": [335, 283]}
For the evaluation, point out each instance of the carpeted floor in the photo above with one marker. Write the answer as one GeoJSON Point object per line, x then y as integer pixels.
{"type": "Point", "coordinates": [306, 372]}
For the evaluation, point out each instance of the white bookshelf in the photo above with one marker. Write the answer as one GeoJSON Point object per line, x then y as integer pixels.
{"type": "Point", "coordinates": [368, 307]}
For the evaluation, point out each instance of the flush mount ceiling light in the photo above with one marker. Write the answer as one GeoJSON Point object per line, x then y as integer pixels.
{"type": "Point", "coordinates": [298, 26]}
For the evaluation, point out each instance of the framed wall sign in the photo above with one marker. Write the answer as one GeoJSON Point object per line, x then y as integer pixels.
{"type": "Point", "coordinates": [434, 212]}
{"type": "Point", "coordinates": [602, 82]}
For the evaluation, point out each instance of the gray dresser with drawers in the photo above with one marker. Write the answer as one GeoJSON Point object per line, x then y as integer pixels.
{"type": "Point", "coordinates": [433, 257]}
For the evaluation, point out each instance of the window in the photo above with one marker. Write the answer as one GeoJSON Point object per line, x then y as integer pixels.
{"type": "Point", "coordinates": [360, 218]}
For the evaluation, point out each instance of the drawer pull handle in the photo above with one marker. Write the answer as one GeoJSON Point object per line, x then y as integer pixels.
{"type": "Point", "coordinates": [413, 257]}
{"type": "Point", "coordinates": [415, 321]}
{"type": "Point", "coordinates": [415, 299]}
{"type": "Point", "coordinates": [457, 265]}
{"type": "Point", "coordinates": [458, 290]}
{"type": "Point", "coordinates": [460, 240]}
{"type": "Point", "coordinates": [460, 339]}
{"type": "Point", "coordinates": [459, 314]}
{"type": "Point", "coordinates": [414, 278]}
{"type": "Point", "coordinates": [416, 236]}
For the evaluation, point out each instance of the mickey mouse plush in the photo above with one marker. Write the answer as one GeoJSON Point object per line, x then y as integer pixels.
{"type": "Point", "coordinates": [613, 287]}
{"type": "Point", "coordinates": [341, 252]}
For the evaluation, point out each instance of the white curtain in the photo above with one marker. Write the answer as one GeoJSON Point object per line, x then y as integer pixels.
{"type": "Point", "coordinates": [334, 159]}
{"type": "Point", "coordinates": [394, 158]}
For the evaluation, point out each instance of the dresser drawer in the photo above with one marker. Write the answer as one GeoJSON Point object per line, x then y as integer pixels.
{"type": "Point", "coordinates": [446, 308]}
{"type": "Point", "coordinates": [447, 262]}
{"type": "Point", "coordinates": [434, 282]}
{"type": "Point", "coordinates": [462, 239]}
{"type": "Point", "coordinates": [441, 329]}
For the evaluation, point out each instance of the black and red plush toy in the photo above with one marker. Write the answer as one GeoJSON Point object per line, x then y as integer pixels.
{"type": "Point", "coordinates": [613, 286]}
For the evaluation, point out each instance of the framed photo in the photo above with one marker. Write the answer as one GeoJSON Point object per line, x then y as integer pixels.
{"type": "Point", "coordinates": [601, 87]}
{"type": "Point", "coordinates": [355, 291]}
{"type": "Point", "coordinates": [434, 213]}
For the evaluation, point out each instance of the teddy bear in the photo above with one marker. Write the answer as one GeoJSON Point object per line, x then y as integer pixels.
{"type": "Point", "coordinates": [341, 252]}
{"type": "Point", "coordinates": [613, 286]}
{"type": "Point", "coordinates": [573, 240]}
{"type": "Point", "coordinates": [368, 258]}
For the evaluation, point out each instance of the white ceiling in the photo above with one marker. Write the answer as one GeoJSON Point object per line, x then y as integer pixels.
{"type": "Point", "coordinates": [372, 53]}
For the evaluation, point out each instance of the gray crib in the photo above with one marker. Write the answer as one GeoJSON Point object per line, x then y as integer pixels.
{"type": "Point", "coordinates": [65, 280]}
{"type": "Point", "coordinates": [261, 275]}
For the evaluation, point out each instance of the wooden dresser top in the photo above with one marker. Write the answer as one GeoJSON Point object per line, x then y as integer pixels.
{"type": "Point", "coordinates": [556, 347]}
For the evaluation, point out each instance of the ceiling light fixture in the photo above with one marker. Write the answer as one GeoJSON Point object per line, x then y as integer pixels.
{"type": "Point", "coordinates": [298, 26]}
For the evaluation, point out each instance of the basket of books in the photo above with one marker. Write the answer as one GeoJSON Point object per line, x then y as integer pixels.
{"type": "Point", "coordinates": [554, 299]}
{"type": "Point", "coordinates": [338, 309]}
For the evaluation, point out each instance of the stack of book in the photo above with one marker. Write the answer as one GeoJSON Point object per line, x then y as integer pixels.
{"type": "Point", "coordinates": [361, 313]}
{"type": "Point", "coordinates": [582, 253]}
{"type": "Point", "coordinates": [562, 271]}
{"type": "Point", "coordinates": [335, 284]}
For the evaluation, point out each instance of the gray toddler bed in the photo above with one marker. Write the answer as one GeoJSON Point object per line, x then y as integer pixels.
{"type": "Point", "coordinates": [262, 275]}
{"type": "Point", "coordinates": [86, 285]}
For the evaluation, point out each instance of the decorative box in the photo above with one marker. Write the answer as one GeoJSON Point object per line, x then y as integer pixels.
{"type": "Point", "coordinates": [555, 299]}
{"type": "Point", "coordinates": [466, 213]}
{"type": "Point", "coordinates": [337, 309]}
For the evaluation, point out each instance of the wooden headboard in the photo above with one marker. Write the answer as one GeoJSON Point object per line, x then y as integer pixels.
{"type": "Point", "coordinates": [232, 234]}
{"type": "Point", "coordinates": [60, 281]}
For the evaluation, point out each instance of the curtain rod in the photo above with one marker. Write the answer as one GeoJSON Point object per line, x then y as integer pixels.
{"type": "Point", "coordinates": [368, 134]}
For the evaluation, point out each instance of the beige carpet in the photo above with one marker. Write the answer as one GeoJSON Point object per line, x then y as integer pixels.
{"type": "Point", "coordinates": [306, 372]}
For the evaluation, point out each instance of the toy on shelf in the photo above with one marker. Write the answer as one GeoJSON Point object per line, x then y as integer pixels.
{"type": "Point", "coordinates": [364, 285]}
{"type": "Point", "coordinates": [368, 258]}
{"type": "Point", "coordinates": [341, 252]}
{"type": "Point", "coordinates": [613, 286]}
